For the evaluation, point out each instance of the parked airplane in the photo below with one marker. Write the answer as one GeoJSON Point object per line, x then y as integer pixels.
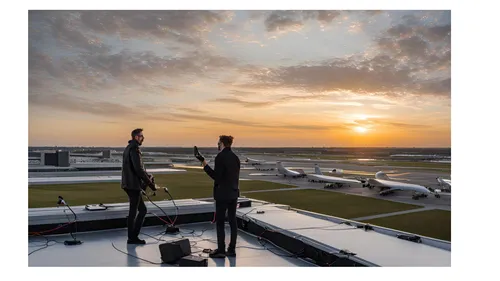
{"type": "Point", "coordinates": [265, 167]}
{"type": "Point", "coordinates": [444, 183]}
{"type": "Point", "coordinates": [289, 173]}
{"type": "Point", "coordinates": [331, 181]}
{"type": "Point", "coordinates": [336, 171]}
{"type": "Point", "coordinates": [388, 186]}
{"type": "Point", "coordinates": [282, 171]}
{"type": "Point", "coordinates": [256, 162]}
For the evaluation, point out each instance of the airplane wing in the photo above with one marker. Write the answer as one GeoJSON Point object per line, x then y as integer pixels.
{"type": "Point", "coordinates": [261, 174]}
{"type": "Point", "coordinates": [335, 179]}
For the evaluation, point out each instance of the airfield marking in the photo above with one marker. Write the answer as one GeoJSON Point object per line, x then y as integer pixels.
{"type": "Point", "coordinates": [393, 214]}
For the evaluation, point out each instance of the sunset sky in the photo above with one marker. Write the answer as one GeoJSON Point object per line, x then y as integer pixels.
{"type": "Point", "coordinates": [269, 78]}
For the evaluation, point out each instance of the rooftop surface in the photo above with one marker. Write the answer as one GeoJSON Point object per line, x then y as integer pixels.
{"type": "Point", "coordinates": [375, 247]}
{"type": "Point", "coordinates": [109, 248]}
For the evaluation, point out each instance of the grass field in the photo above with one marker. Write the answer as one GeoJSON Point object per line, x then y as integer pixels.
{"type": "Point", "coordinates": [432, 223]}
{"type": "Point", "coordinates": [332, 203]}
{"type": "Point", "coordinates": [192, 184]}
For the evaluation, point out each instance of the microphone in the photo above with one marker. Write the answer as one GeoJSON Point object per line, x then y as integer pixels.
{"type": "Point", "coordinates": [171, 198]}
{"type": "Point", "coordinates": [61, 201]}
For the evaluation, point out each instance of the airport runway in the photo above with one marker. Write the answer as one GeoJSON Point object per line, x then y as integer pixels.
{"type": "Point", "coordinates": [417, 176]}
{"type": "Point", "coordinates": [425, 178]}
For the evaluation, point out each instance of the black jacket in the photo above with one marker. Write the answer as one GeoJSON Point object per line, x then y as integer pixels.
{"type": "Point", "coordinates": [134, 176]}
{"type": "Point", "coordinates": [226, 175]}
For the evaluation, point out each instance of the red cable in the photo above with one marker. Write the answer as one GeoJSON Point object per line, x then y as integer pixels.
{"type": "Point", "coordinates": [172, 223]}
{"type": "Point", "coordinates": [50, 230]}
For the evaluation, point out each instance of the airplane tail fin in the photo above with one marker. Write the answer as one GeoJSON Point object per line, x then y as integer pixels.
{"type": "Point", "coordinates": [381, 176]}
{"type": "Point", "coordinates": [300, 171]}
{"type": "Point", "coordinates": [317, 170]}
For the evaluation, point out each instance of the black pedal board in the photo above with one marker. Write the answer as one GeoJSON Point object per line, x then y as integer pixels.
{"type": "Point", "coordinates": [192, 261]}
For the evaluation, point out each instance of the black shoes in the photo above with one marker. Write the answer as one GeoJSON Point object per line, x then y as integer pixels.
{"type": "Point", "coordinates": [217, 254]}
{"type": "Point", "coordinates": [231, 252]}
{"type": "Point", "coordinates": [136, 241]}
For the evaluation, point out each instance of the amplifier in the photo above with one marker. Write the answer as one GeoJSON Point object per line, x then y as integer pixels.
{"type": "Point", "coordinates": [173, 251]}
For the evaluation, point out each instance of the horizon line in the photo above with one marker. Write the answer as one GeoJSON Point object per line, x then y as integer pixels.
{"type": "Point", "coordinates": [250, 146]}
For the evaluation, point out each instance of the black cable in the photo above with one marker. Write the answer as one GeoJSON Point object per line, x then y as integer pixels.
{"type": "Point", "coordinates": [157, 239]}
{"type": "Point", "coordinates": [176, 208]}
{"type": "Point", "coordinates": [133, 255]}
{"type": "Point", "coordinates": [47, 240]}
{"type": "Point", "coordinates": [70, 231]}
{"type": "Point", "coordinates": [61, 200]}
{"type": "Point", "coordinates": [44, 245]}
{"type": "Point", "coordinates": [280, 255]}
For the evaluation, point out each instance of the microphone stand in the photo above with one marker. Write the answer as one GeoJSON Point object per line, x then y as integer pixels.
{"type": "Point", "coordinates": [171, 198]}
{"type": "Point", "coordinates": [74, 241]}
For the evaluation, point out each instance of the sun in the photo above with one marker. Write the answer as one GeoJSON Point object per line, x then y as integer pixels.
{"type": "Point", "coordinates": [360, 129]}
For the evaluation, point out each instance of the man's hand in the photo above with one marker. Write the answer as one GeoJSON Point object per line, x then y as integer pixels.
{"type": "Point", "coordinates": [204, 163]}
{"type": "Point", "coordinates": [152, 184]}
{"type": "Point", "coordinates": [198, 155]}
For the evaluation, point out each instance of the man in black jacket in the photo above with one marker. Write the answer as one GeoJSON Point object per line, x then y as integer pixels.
{"type": "Point", "coordinates": [135, 180]}
{"type": "Point", "coordinates": [226, 175]}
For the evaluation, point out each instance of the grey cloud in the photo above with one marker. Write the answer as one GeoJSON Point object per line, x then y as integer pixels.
{"type": "Point", "coordinates": [40, 62]}
{"type": "Point", "coordinates": [336, 75]}
{"type": "Point", "coordinates": [245, 103]}
{"type": "Point", "coordinates": [406, 125]}
{"type": "Point", "coordinates": [64, 102]}
{"type": "Point", "coordinates": [191, 110]}
{"type": "Point", "coordinates": [431, 33]}
{"type": "Point", "coordinates": [411, 57]}
{"type": "Point", "coordinates": [437, 86]}
{"type": "Point", "coordinates": [401, 30]}
{"type": "Point", "coordinates": [285, 20]}
{"type": "Point", "coordinates": [134, 69]}
{"type": "Point", "coordinates": [72, 73]}
{"type": "Point", "coordinates": [276, 100]}
{"type": "Point", "coordinates": [148, 64]}
{"type": "Point", "coordinates": [62, 30]}
{"type": "Point", "coordinates": [278, 21]}
{"type": "Point", "coordinates": [410, 19]}
{"type": "Point", "coordinates": [72, 104]}
{"type": "Point", "coordinates": [376, 75]}
{"type": "Point", "coordinates": [82, 28]}
{"type": "Point", "coordinates": [373, 12]}
{"type": "Point", "coordinates": [382, 122]}
{"type": "Point", "coordinates": [413, 47]}
{"type": "Point", "coordinates": [69, 103]}
{"type": "Point", "coordinates": [242, 93]}
{"type": "Point", "coordinates": [437, 33]}
{"type": "Point", "coordinates": [428, 43]}
{"type": "Point", "coordinates": [183, 26]}
{"type": "Point", "coordinates": [209, 118]}
{"type": "Point", "coordinates": [200, 117]}
{"type": "Point", "coordinates": [327, 16]}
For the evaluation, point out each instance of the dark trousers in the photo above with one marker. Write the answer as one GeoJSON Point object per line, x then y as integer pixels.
{"type": "Point", "coordinates": [220, 213]}
{"type": "Point", "coordinates": [136, 213]}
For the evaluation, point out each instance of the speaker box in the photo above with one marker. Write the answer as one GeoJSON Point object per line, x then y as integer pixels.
{"type": "Point", "coordinates": [193, 261]}
{"type": "Point", "coordinates": [173, 251]}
